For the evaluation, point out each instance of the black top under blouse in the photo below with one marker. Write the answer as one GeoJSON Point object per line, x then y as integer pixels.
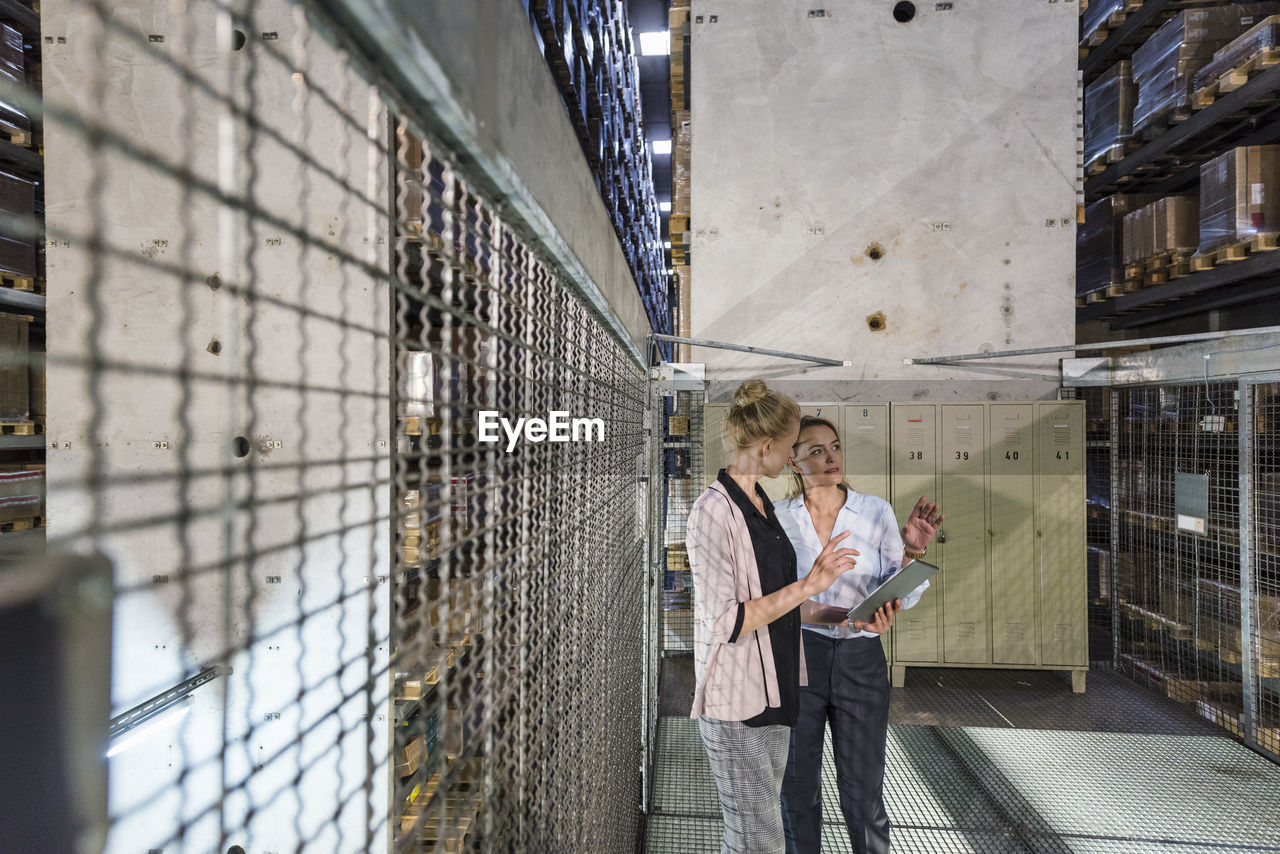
{"type": "Point", "coordinates": [776, 561]}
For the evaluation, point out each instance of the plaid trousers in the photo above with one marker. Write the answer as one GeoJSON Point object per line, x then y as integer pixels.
{"type": "Point", "coordinates": [748, 764]}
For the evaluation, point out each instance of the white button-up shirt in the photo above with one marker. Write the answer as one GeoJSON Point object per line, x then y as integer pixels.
{"type": "Point", "coordinates": [873, 531]}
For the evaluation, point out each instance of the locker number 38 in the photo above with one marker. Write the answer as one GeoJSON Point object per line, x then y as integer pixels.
{"type": "Point", "coordinates": [915, 455]}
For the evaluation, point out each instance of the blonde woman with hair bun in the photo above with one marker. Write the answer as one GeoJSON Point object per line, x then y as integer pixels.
{"type": "Point", "coordinates": [747, 598]}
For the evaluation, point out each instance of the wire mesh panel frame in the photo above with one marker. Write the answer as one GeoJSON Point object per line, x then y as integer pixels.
{"type": "Point", "coordinates": [1210, 640]}
{"type": "Point", "coordinates": [236, 275]}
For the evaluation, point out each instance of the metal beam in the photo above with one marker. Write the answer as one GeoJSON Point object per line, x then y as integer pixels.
{"type": "Point", "coordinates": [1099, 345]}
{"type": "Point", "coordinates": [743, 348]}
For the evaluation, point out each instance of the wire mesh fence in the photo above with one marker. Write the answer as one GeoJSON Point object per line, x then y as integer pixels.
{"type": "Point", "coordinates": [684, 480]}
{"type": "Point", "coordinates": [1184, 585]}
{"type": "Point", "coordinates": [1264, 626]}
{"type": "Point", "coordinates": [351, 611]}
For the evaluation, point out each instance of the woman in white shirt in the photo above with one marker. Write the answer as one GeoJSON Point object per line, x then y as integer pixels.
{"type": "Point", "coordinates": [848, 679]}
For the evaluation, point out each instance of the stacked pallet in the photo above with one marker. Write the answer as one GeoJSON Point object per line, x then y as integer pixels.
{"type": "Point", "coordinates": [1159, 240]}
{"type": "Point", "coordinates": [1232, 66]}
{"type": "Point", "coordinates": [1165, 66]}
{"type": "Point", "coordinates": [1108, 117]}
{"type": "Point", "coordinates": [1239, 205]}
{"type": "Point", "coordinates": [589, 48]}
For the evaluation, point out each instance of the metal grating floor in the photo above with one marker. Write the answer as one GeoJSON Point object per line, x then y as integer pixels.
{"type": "Point", "coordinates": [1017, 785]}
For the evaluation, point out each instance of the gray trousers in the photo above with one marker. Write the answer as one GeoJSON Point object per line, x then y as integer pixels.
{"type": "Point", "coordinates": [848, 686]}
{"type": "Point", "coordinates": [748, 764]}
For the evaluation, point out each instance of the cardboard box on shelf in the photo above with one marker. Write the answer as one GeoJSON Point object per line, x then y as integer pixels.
{"type": "Point", "coordinates": [15, 381]}
{"type": "Point", "coordinates": [1239, 196]}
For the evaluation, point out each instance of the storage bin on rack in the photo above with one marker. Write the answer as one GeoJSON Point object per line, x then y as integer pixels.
{"type": "Point", "coordinates": [1239, 196]}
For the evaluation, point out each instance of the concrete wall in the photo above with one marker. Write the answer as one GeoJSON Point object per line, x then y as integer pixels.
{"type": "Point", "coordinates": [947, 144]}
{"type": "Point", "coordinates": [257, 558]}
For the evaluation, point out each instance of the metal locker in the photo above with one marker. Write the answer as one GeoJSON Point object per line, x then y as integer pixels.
{"type": "Point", "coordinates": [713, 455]}
{"type": "Point", "coordinates": [1011, 488]}
{"type": "Point", "coordinates": [1060, 535]}
{"type": "Point", "coordinates": [963, 580]}
{"type": "Point", "coordinates": [865, 441]}
{"type": "Point", "coordinates": [913, 455]}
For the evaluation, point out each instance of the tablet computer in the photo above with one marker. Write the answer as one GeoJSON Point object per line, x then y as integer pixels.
{"type": "Point", "coordinates": [899, 585]}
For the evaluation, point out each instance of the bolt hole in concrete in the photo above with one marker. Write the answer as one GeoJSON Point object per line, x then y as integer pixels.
{"type": "Point", "coordinates": [875, 251]}
{"type": "Point", "coordinates": [235, 849]}
{"type": "Point", "coordinates": [240, 446]}
{"type": "Point", "coordinates": [876, 322]}
{"type": "Point", "coordinates": [904, 12]}
{"type": "Point", "coordinates": [238, 39]}
{"type": "Point", "coordinates": [215, 346]}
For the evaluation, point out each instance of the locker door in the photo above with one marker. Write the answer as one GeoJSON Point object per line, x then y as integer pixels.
{"type": "Point", "coordinates": [1060, 534]}
{"type": "Point", "coordinates": [713, 455]}
{"type": "Point", "coordinates": [913, 467]}
{"type": "Point", "coordinates": [966, 636]}
{"type": "Point", "coordinates": [777, 487]}
{"type": "Point", "coordinates": [866, 448]}
{"type": "Point", "coordinates": [1014, 601]}
{"type": "Point", "coordinates": [865, 441]}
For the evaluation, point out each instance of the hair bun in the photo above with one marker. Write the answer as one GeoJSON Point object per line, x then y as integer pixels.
{"type": "Point", "coordinates": [751, 391]}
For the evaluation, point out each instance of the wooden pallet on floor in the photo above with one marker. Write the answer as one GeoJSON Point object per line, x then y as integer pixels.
{"type": "Point", "coordinates": [1235, 252]}
{"type": "Point", "coordinates": [1236, 77]}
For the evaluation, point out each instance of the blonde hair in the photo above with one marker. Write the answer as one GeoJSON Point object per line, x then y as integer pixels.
{"type": "Point", "coordinates": [757, 414]}
{"type": "Point", "coordinates": [796, 489]}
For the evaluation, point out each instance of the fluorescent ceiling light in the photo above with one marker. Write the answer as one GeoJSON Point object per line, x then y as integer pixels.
{"type": "Point", "coordinates": [655, 44]}
{"type": "Point", "coordinates": [665, 207]}
{"type": "Point", "coordinates": [661, 146]}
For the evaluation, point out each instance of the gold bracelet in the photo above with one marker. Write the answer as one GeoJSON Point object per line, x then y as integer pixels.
{"type": "Point", "coordinates": [915, 555]}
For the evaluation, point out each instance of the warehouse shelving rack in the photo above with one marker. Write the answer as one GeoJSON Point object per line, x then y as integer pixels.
{"type": "Point", "coordinates": [1169, 163]}
{"type": "Point", "coordinates": [27, 163]}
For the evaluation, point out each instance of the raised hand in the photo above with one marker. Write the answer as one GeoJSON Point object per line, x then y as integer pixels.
{"type": "Point", "coordinates": [922, 525]}
{"type": "Point", "coordinates": [831, 564]}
